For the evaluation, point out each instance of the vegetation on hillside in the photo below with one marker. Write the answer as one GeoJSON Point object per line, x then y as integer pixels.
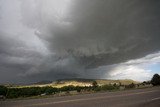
{"type": "Point", "coordinates": [95, 85]}
{"type": "Point", "coordinates": [48, 90]}
{"type": "Point", "coordinates": [78, 82]}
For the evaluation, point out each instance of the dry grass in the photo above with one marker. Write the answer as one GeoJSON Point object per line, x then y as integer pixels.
{"type": "Point", "coordinates": [63, 83]}
{"type": "Point", "coordinates": [122, 82]}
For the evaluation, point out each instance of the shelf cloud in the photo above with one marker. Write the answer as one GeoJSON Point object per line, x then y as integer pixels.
{"type": "Point", "coordinates": [56, 39]}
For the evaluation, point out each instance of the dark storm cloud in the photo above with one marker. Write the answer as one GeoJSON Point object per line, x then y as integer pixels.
{"type": "Point", "coordinates": [105, 32]}
{"type": "Point", "coordinates": [15, 57]}
{"type": "Point", "coordinates": [72, 39]}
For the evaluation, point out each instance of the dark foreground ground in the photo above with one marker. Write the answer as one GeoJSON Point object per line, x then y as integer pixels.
{"type": "Point", "coordinates": [149, 97]}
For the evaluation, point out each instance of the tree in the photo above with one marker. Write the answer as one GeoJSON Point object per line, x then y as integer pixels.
{"type": "Point", "coordinates": [155, 80]}
{"type": "Point", "coordinates": [94, 84]}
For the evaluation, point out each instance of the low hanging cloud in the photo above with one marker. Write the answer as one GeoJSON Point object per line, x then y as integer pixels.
{"type": "Point", "coordinates": [53, 39]}
{"type": "Point", "coordinates": [99, 32]}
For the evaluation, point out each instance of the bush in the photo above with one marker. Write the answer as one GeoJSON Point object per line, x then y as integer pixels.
{"type": "Point", "coordinates": [146, 82]}
{"type": "Point", "coordinates": [78, 88]}
{"type": "Point", "coordinates": [98, 89]}
{"type": "Point", "coordinates": [94, 84]}
{"type": "Point", "coordinates": [132, 85]}
{"type": "Point", "coordinates": [155, 80]}
{"type": "Point", "coordinates": [50, 90]}
{"type": "Point", "coordinates": [3, 90]}
{"type": "Point", "coordinates": [68, 88]}
{"type": "Point", "coordinates": [109, 87]}
{"type": "Point", "coordinates": [29, 91]}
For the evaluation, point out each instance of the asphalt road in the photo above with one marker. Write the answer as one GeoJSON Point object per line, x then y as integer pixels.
{"type": "Point", "coordinates": [149, 97]}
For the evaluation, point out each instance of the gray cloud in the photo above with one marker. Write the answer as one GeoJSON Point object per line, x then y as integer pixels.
{"type": "Point", "coordinates": [72, 38]}
{"type": "Point", "coordinates": [102, 32]}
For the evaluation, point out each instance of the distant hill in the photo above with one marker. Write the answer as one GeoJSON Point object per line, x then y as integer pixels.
{"type": "Point", "coordinates": [43, 82]}
{"type": "Point", "coordinates": [100, 81]}
{"type": "Point", "coordinates": [122, 81]}
{"type": "Point", "coordinates": [79, 82]}
{"type": "Point", "coordinates": [77, 79]}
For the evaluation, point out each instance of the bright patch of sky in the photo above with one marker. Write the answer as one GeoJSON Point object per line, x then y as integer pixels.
{"type": "Point", "coordinates": [155, 68]}
{"type": "Point", "coordinates": [139, 69]}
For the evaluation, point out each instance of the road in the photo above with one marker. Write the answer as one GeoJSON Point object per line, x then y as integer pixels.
{"type": "Point", "coordinates": [149, 97]}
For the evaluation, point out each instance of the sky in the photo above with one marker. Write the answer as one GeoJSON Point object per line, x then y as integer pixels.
{"type": "Point", "coordinates": [92, 39]}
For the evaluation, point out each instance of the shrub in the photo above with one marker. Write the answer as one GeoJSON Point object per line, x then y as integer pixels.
{"type": "Point", "coordinates": [94, 84]}
{"type": "Point", "coordinates": [132, 85]}
{"type": "Point", "coordinates": [68, 88]}
{"type": "Point", "coordinates": [109, 87]}
{"type": "Point", "coordinates": [3, 90]}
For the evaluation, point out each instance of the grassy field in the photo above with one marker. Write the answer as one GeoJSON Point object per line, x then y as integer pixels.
{"type": "Point", "coordinates": [79, 82]}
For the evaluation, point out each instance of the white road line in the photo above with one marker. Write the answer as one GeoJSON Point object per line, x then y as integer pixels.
{"type": "Point", "coordinates": [158, 98]}
{"type": "Point", "coordinates": [87, 99]}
